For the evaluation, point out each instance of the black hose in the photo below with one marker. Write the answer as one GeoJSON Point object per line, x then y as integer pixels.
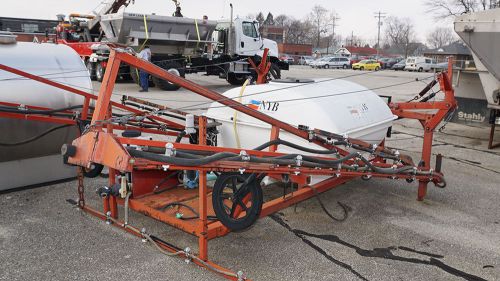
{"type": "Point", "coordinates": [295, 146]}
{"type": "Point", "coordinates": [345, 208]}
{"type": "Point", "coordinates": [32, 139]}
{"type": "Point", "coordinates": [36, 111]}
{"type": "Point", "coordinates": [180, 136]}
{"type": "Point", "coordinates": [180, 161]}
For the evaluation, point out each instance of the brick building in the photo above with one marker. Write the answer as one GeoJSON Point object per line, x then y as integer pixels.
{"type": "Point", "coordinates": [272, 32]}
{"type": "Point", "coordinates": [295, 50]}
{"type": "Point", "coordinates": [27, 29]}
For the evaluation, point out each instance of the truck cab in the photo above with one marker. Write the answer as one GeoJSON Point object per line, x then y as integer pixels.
{"type": "Point", "coordinates": [244, 39]}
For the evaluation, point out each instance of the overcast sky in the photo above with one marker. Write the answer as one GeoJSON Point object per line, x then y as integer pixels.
{"type": "Point", "coordinates": [355, 15]}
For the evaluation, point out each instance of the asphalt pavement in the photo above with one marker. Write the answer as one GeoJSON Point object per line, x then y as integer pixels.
{"type": "Point", "coordinates": [388, 235]}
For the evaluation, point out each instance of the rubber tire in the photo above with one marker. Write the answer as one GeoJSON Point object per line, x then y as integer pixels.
{"type": "Point", "coordinates": [362, 68]}
{"type": "Point", "coordinates": [377, 68]}
{"type": "Point", "coordinates": [99, 72]}
{"type": "Point", "coordinates": [420, 70]}
{"type": "Point", "coordinates": [344, 66]}
{"type": "Point", "coordinates": [171, 67]}
{"type": "Point", "coordinates": [94, 172]}
{"type": "Point", "coordinates": [235, 79]}
{"type": "Point", "coordinates": [91, 69]}
{"type": "Point", "coordinates": [255, 209]}
{"type": "Point", "coordinates": [327, 66]}
{"type": "Point", "coordinates": [274, 72]}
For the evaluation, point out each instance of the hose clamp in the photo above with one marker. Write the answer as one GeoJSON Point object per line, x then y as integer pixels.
{"type": "Point", "coordinates": [244, 156]}
{"type": "Point", "coordinates": [298, 160]}
{"type": "Point", "coordinates": [170, 150]}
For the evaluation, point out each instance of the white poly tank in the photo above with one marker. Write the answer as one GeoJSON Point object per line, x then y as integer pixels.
{"type": "Point", "coordinates": [58, 63]}
{"type": "Point", "coordinates": [336, 106]}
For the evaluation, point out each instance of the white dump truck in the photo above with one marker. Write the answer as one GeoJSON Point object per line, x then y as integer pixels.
{"type": "Point", "coordinates": [178, 44]}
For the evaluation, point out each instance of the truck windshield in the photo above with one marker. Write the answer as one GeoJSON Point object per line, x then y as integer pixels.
{"type": "Point", "coordinates": [249, 29]}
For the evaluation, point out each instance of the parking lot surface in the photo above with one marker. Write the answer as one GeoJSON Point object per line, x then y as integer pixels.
{"type": "Point", "coordinates": [453, 235]}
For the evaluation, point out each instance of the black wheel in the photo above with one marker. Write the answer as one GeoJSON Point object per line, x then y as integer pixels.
{"type": "Point", "coordinates": [91, 69]}
{"type": "Point", "coordinates": [236, 79]}
{"type": "Point", "coordinates": [233, 193]}
{"type": "Point", "coordinates": [99, 72]}
{"type": "Point", "coordinates": [344, 66]}
{"type": "Point", "coordinates": [173, 68]}
{"type": "Point", "coordinates": [362, 68]}
{"type": "Point", "coordinates": [420, 69]}
{"type": "Point", "coordinates": [377, 68]}
{"type": "Point", "coordinates": [274, 72]}
{"type": "Point", "coordinates": [94, 170]}
{"type": "Point", "coordinates": [327, 66]}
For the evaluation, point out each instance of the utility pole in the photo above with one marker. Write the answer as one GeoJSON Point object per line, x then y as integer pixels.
{"type": "Point", "coordinates": [352, 38]}
{"type": "Point", "coordinates": [380, 16]}
{"type": "Point", "coordinates": [334, 24]}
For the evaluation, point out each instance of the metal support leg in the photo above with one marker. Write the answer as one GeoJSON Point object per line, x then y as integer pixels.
{"type": "Point", "coordinates": [426, 157]}
{"type": "Point", "coordinates": [202, 193]}
{"type": "Point", "coordinates": [495, 113]}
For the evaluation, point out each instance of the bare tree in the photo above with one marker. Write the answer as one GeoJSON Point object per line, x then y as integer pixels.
{"type": "Point", "coordinates": [298, 32]}
{"type": "Point", "coordinates": [319, 19]}
{"type": "Point", "coordinates": [440, 37]}
{"type": "Point", "coordinates": [447, 8]}
{"type": "Point", "coordinates": [400, 33]}
{"type": "Point", "coordinates": [281, 20]}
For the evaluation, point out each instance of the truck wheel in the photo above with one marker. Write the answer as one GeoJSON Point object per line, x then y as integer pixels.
{"type": "Point", "coordinates": [274, 72]}
{"type": "Point", "coordinates": [99, 72]}
{"type": "Point", "coordinates": [420, 69]}
{"type": "Point", "coordinates": [236, 79]}
{"type": "Point", "coordinates": [91, 69]}
{"type": "Point", "coordinates": [173, 68]}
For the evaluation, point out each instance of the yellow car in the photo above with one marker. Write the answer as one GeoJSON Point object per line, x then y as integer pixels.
{"type": "Point", "coordinates": [367, 65]}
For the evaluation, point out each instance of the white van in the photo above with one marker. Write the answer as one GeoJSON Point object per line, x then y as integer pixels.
{"type": "Point", "coordinates": [334, 62]}
{"type": "Point", "coordinates": [419, 64]}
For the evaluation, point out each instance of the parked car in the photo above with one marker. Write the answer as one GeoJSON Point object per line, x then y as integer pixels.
{"type": "Point", "coordinates": [305, 60]}
{"type": "Point", "coordinates": [419, 64]}
{"type": "Point", "coordinates": [335, 62]}
{"type": "Point", "coordinates": [367, 65]}
{"type": "Point", "coordinates": [287, 58]}
{"type": "Point", "coordinates": [387, 63]}
{"type": "Point", "coordinates": [355, 59]}
{"type": "Point", "coordinates": [399, 66]}
{"type": "Point", "coordinates": [315, 63]}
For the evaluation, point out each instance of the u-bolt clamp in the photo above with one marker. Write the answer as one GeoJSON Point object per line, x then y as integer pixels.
{"type": "Point", "coordinates": [187, 253]}
{"type": "Point", "coordinates": [108, 217]}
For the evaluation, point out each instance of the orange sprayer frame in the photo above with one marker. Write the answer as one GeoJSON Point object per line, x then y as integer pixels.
{"type": "Point", "coordinates": [100, 145]}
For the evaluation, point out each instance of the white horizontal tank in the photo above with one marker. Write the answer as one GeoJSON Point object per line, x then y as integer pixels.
{"type": "Point", "coordinates": [39, 161]}
{"type": "Point", "coordinates": [336, 106]}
